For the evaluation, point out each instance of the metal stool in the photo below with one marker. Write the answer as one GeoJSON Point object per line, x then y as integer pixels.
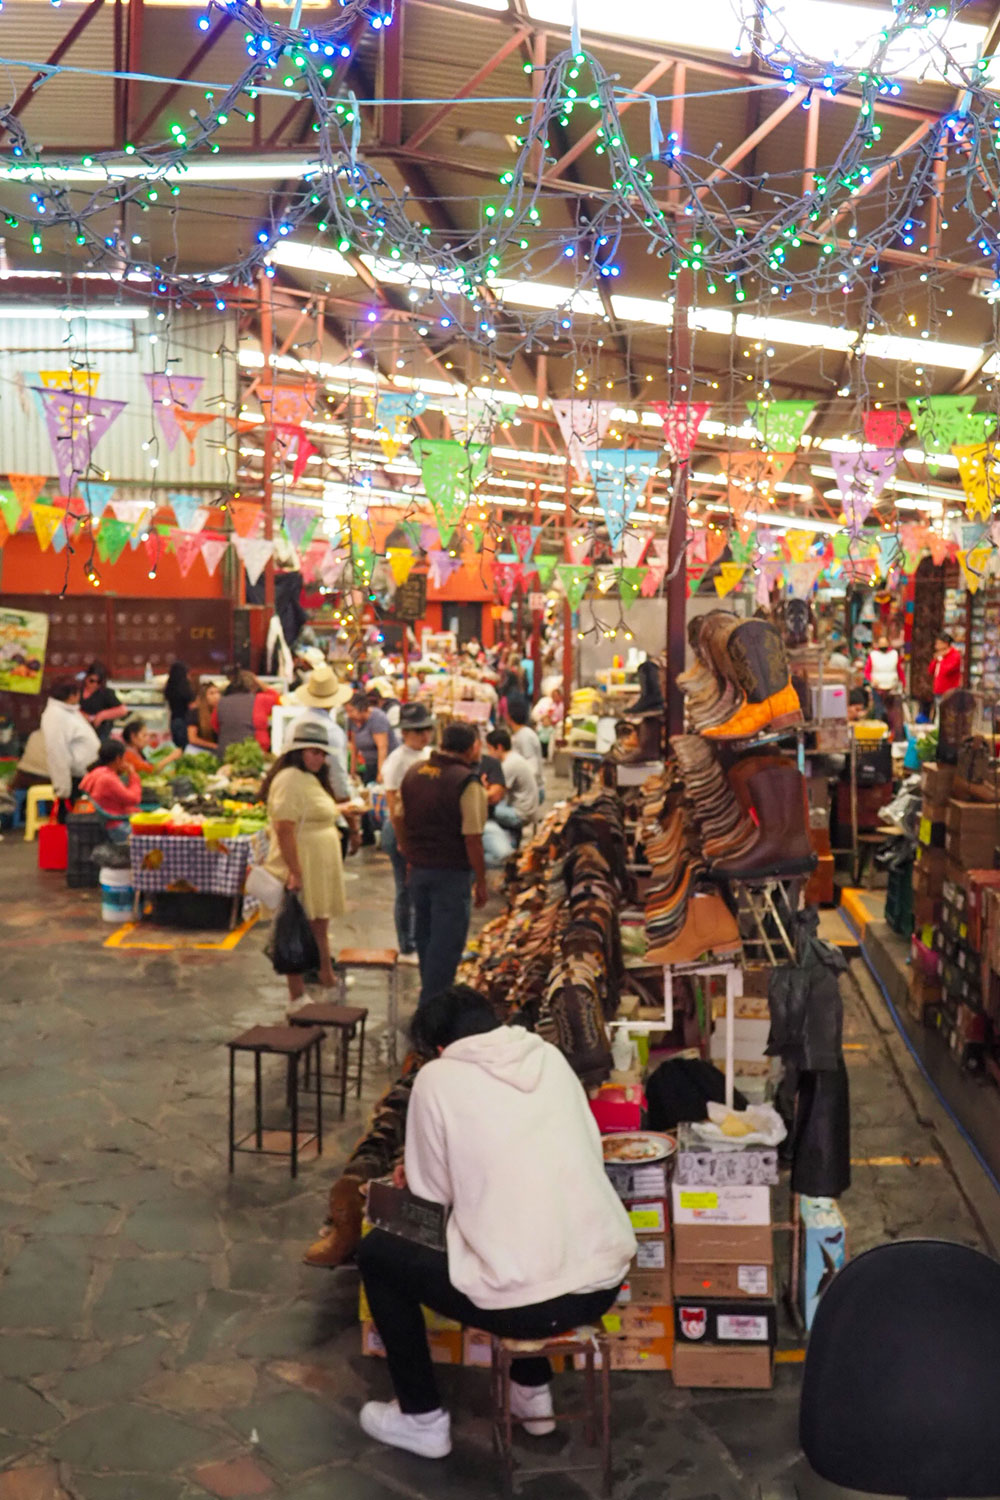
{"type": "Point", "coordinates": [290, 1042]}
{"type": "Point", "coordinates": [593, 1344]}
{"type": "Point", "coordinates": [348, 1021]}
{"type": "Point", "coordinates": [385, 960]}
{"type": "Point", "coordinates": [43, 792]}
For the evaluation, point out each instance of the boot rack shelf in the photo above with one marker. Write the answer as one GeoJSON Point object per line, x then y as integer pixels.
{"type": "Point", "coordinates": [732, 974]}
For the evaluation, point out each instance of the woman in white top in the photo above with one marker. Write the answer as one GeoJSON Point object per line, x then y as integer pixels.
{"type": "Point", "coordinates": [499, 1131]}
{"type": "Point", "coordinates": [884, 671]}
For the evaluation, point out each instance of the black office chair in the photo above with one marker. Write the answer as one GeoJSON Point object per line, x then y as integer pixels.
{"type": "Point", "coordinates": [901, 1390]}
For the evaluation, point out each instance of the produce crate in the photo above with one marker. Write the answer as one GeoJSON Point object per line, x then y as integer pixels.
{"type": "Point", "coordinates": [899, 899]}
{"type": "Point", "coordinates": [86, 831]}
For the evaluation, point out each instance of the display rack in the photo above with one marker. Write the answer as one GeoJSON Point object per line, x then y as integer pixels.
{"type": "Point", "coordinates": [732, 973]}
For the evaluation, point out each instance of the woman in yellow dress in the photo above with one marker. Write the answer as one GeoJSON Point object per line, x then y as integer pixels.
{"type": "Point", "coordinates": [303, 814]}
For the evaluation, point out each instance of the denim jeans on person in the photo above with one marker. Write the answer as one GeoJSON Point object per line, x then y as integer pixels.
{"type": "Point", "coordinates": [498, 846]}
{"type": "Point", "coordinates": [508, 819]}
{"type": "Point", "coordinates": [403, 910]}
{"type": "Point", "coordinates": [402, 1277]}
{"type": "Point", "coordinates": [442, 906]}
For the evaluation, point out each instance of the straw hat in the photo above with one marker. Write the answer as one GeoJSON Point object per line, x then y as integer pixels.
{"type": "Point", "coordinates": [321, 689]}
{"type": "Point", "coordinates": [308, 734]}
{"type": "Point", "coordinates": [382, 686]}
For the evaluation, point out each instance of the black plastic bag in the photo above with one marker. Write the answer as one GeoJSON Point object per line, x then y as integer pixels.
{"type": "Point", "coordinates": [292, 948]}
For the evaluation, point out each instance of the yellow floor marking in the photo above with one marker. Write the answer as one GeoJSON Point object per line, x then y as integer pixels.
{"type": "Point", "coordinates": [789, 1356]}
{"type": "Point", "coordinates": [852, 901]}
{"type": "Point", "coordinates": [896, 1161]}
{"type": "Point", "coordinates": [120, 939]}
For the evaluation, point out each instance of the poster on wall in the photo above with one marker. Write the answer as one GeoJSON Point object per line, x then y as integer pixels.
{"type": "Point", "coordinates": [23, 638]}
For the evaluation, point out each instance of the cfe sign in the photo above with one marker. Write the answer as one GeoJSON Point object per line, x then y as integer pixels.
{"type": "Point", "coordinates": [537, 602]}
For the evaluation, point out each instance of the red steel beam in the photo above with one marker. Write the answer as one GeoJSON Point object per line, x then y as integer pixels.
{"type": "Point", "coordinates": [169, 95]}
{"type": "Point", "coordinates": [633, 97]}
{"type": "Point", "coordinates": [812, 146]}
{"type": "Point", "coordinates": [468, 87]}
{"type": "Point", "coordinates": [753, 140]}
{"type": "Point", "coordinates": [391, 91]}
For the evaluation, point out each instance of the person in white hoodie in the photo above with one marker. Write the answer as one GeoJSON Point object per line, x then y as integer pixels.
{"type": "Point", "coordinates": [71, 742]}
{"type": "Point", "coordinates": [498, 1130]}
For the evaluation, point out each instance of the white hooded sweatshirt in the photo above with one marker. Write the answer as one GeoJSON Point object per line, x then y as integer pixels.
{"type": "Point", "coordinates": [499, 1130]}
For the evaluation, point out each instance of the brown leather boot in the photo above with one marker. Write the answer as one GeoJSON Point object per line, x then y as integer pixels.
{"type": "Point", "coordinates": [778, 797]}
{"type": "Point", "coordinates": [343, 1234]}
{"type": "Point", "coordinates": [709, 928]}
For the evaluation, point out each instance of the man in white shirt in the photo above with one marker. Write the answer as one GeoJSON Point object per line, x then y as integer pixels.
{"type": "Point", "coordinates": [526, 742]}
{"type": "Point", "coordinates": [519, 779]}
{"type": "Point", "coordinates": [538, 1241]}
{"type": "Point", "coordinates": [416, 727]}
{"type": "Point", "coordinates": [71, 743]}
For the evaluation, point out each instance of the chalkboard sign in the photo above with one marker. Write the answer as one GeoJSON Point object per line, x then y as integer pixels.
{"type": "Point", "coordinates": [410, 602]}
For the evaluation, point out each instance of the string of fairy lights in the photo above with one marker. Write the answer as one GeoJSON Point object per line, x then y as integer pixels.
{"type": "Point", "coordinates": [661, 195]}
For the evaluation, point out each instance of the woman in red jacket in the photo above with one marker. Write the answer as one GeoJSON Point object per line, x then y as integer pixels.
{"type": "Point", "coordinates": [946, 666]}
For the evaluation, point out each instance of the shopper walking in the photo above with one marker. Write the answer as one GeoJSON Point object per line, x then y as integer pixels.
{"type": "Point", "coordinates": [538, 1241]}
{"type": "Point", "coordinates": [112, 786]}
{"type": "Point", "coordinates": [99, 703]}
{"type": "Point", "coordinates": [372, 737]}
{"type": "Point", "coordinates": [179, 695]}
{"type": "Point", "coordinates": [304, 852]}
{"type": "Point", "coordinates": [416, 727]}
{"type": "Point", "coordinates": [441, 835]}
{"type": "Point", "coordinates": [884, 671]}
{"type": "Point", "coordinates": [71, 742]}
{"type": "Point", "coordinates": [946, 666]}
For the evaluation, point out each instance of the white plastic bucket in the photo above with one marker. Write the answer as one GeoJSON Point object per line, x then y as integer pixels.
{"type": "Point", "coordinates": [116, 894]}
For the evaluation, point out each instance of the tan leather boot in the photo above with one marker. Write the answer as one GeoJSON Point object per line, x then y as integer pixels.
{"type": "Point", "coordinates": [709, 928]}
{"type": "Point", "coordinates": [343, 1234]}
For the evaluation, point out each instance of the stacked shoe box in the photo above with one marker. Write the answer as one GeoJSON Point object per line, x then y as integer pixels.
{"type": "Point", "coordinates": [960, 1017]}
{"type": "Point", "coordinates": [641, 1323]}
{"type": "Point", "coordinates": [723, 1265]}
{"type": "Point", "coordinates": [929, 874]}
{"type": "Point", "coordinates": [751, 1028]}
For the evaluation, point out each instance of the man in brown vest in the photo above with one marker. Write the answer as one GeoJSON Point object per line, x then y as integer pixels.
{"type": "Point", "coordinates": [444, 811]}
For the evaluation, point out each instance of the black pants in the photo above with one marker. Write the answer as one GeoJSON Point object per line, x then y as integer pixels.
{"type": "Point", "coordinates": [400, 1276]}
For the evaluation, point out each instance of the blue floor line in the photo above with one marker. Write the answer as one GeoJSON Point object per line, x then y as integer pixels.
{"type": "Point", "coordinates": [967, 1138]}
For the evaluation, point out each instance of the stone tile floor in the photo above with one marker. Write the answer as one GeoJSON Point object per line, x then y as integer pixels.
{"type": "Point", "coordinates": [159, 1337]}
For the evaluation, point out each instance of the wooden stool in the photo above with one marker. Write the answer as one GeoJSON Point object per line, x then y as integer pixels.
{"type": "Point", "coordinates": [593, 1344]}
{"type": "Point", "coordinates": [348, 1021]}
{"type": "Point", "coordinates": [290, 1042]}
{"type": "Point", "coordinates": [36, 794]}
{"type": "Point", "coordinates": [384, 959]}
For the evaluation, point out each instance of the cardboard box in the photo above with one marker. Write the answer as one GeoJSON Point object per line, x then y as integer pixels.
{"type": "Point", "coordinates": [935, 781]}
{"type": "Point", "coordinates": [922, 994]}
{"type": "Point", "coordinates": [637, 1354]}
{"type": "Point", "coordinates": [724, 1203]}
{"type": "Point", "coordinates": [638, 1180]}
{"type": "Point", "coordinates": [649, 1217]}
{"type": "Point", "coordinates": [824, 1251]}
{"type": "Point", "coordinates": [723, 1366]}
{"type": "Point", "coordinates": [645, 1320]}
{"type": "Point", "coordinates": [446, 1346]}
{"type": "Point", "coordinates": [697, 1164]}
{"type": "Point", "coordinates": [400, 1212]}
{"type": "Point", "coordinates": [819, 889]}
{"type": "Point", "coordinates": [735, 1244]}
{"type": "Point", "coordinates": [649, 1274]}
{"type": "Point", "coordinates": [749, 1040]}
{"type": "Point", "coordinates": [707, 1320]}
{"type": "Point", "coordinates": [719, 1279]}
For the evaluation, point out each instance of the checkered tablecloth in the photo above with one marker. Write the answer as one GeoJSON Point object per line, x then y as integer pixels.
{"type": "Point", "coordinates": [167, 862]}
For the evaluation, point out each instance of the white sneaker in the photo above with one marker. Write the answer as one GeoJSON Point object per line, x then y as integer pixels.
{"type": "Point", "coordinates": [410, 959]}
{"type": "Point", "coordinates": [532, 1405]}
{"type": "Point", "coordinates": [428, 1434]}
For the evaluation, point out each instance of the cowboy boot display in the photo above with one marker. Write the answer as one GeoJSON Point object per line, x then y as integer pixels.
{"type": "Point", "coordinates": [650, 699]}
{"type": "Point", "coordinates": [342, 1232]}
{"type": "Point", "coordinates": [759, 667]}
{"type": "Point", "coordinates": [709, 931]}
{"type": "Point", "coordinates": [782, 849]}
{"type": "Point", "coordinates": [650, 745]}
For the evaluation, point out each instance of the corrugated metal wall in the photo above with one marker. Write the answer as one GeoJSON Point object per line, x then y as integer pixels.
{"type": "Point", "coordinates": [192, 346]}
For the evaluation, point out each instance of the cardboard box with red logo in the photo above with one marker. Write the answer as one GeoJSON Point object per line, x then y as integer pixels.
{"type": "Point", "coordinates": [717, 1320]}
{"type": "Point", "coordinates": [724, 1366]}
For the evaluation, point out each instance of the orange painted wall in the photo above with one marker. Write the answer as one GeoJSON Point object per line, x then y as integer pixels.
{"type": "Point", "coordinates": [26, 569]}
